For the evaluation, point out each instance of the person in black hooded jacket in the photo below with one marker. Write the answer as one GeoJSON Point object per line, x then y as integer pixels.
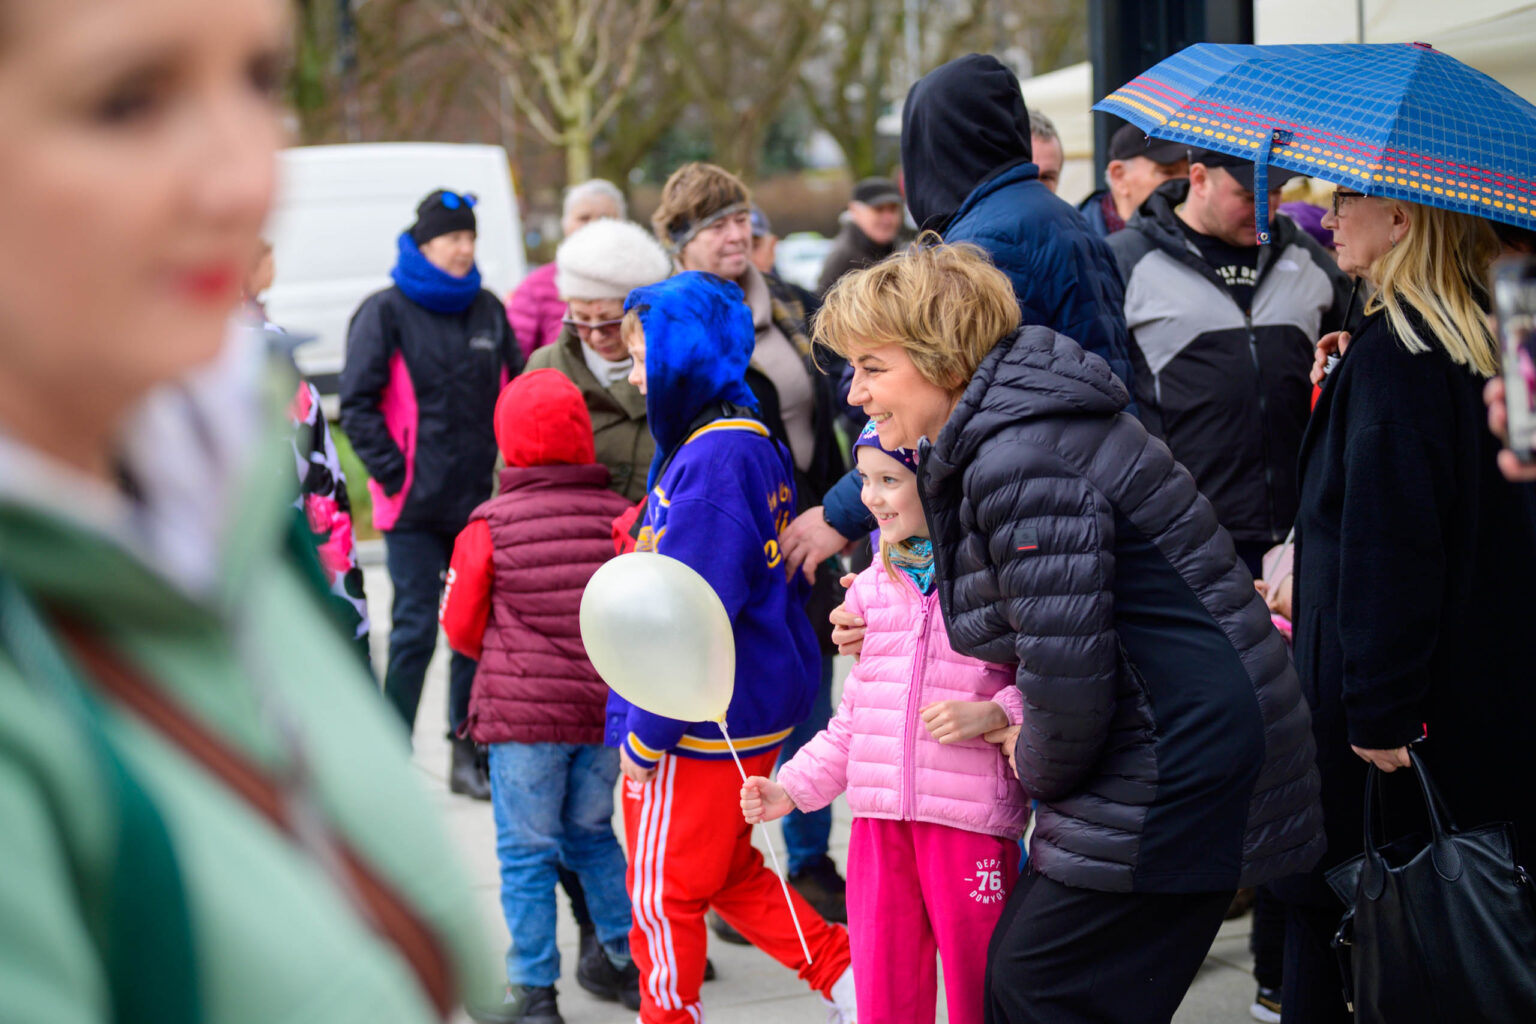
{"type": "Point", "coordinates": [1164, 734]}
{"type": "Point", "coordinates": [426, 360]}
{"type": "Point", "coordinates": [966, 158]}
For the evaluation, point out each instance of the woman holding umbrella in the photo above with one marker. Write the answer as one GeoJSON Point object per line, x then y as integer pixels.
{"type": "Point", "coordinates": [1414, 560]}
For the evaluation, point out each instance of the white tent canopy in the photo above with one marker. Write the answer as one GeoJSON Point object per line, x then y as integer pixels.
{"type": "Point", "coordinates": [1494, 36]}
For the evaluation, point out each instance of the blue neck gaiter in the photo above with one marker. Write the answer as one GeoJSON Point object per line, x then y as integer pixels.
{"type": "Point", "coordinates": [429, 286]}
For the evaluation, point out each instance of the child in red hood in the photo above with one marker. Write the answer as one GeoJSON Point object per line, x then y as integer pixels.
{"type": "Point", "coordinates": [512, 602]}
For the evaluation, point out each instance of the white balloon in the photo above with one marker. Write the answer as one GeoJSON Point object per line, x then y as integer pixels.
{"type": "Point", "coordinates": [657, 633]}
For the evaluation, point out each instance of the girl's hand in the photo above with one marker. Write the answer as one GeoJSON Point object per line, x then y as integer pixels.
{"type": "Point", "coordinates": [1332, 344]}
{"type": "Point", "coordinates": [847, 628]}
{"type": "Point", "coordinates": [764, 800]}
{"type": "Point", "coordinates": [632, 770]}
{"type": "Point", "coordinates": [951, 721]}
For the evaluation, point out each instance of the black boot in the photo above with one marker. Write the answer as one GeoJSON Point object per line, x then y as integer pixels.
{"type": "Point", "coordinates": [823, 888]}
{"type": "Point", "coordinates": [523, 1005]}
{"type": "Point", "coordinates": [465, 774]}
{"type": "Point", "coordinates": [596, 973]}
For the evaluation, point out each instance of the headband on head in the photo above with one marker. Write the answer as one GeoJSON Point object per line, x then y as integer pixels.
{"type": "Point", "coordinates": [685, 234]}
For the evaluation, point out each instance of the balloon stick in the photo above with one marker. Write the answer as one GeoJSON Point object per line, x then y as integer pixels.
{"type": "Point", "coordinates": [768, 841]}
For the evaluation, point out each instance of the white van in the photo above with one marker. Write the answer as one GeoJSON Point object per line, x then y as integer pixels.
{"type": "Point", "coordinates": [339, 211]}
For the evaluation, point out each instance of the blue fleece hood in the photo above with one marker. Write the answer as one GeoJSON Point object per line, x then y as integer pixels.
{"type": "Point", "coordinates": [699, 339]}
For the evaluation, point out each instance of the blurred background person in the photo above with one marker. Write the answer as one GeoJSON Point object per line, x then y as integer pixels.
{"type": "Point", "coordinates": [535, 308]}
{"type": "Point", "coordinates": [209, 816]}
{"type": "Point", "coordinates": [596, 269]}
{"type": "Point", "coordinates": [1137, 166]}
{"type": "Point", "coordinates": [426, 359]}
{"type": "Point", "coordinates": [765, 244]}
{"type": "Point", "coordinates": [1046, 142]}
{"type": "Point", "coordinates": [868, 232]}
{"type": "Point", "coordinates": [765, 247]}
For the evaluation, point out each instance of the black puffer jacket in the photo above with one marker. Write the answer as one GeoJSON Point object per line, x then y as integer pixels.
{"type": "Point", "coordinates": [1164, 730]}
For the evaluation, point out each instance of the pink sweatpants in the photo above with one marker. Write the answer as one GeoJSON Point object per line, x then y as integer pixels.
{"type": "Point", "coordinates": [916, 889]}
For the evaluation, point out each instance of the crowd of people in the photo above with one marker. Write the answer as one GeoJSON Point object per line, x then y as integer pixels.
{"type": "Point", "coordinates": [1161, 539]}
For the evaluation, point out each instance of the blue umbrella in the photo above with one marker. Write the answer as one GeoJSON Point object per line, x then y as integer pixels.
{"type": "Point", "coordinates": [1400, 120]}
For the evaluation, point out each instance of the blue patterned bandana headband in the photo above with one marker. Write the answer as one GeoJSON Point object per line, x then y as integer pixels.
{"type": "Point", "coordinates": [869, 438]}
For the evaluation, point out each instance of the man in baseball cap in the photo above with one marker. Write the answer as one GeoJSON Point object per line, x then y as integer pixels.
{"type": "Point", "coordinates": [1137, 165]}
{"type": "Point", "coordinates": [869, 230]}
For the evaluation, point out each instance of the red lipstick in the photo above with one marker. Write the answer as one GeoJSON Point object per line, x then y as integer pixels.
{"type": "Point", "coordinates": [212, 283]}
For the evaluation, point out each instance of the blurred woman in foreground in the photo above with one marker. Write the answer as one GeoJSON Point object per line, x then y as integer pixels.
{"type": "Point", "coordinates": [208, 816]}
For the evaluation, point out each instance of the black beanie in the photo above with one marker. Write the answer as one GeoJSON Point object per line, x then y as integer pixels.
{"type": "Point", "coordinates": [433, 218]}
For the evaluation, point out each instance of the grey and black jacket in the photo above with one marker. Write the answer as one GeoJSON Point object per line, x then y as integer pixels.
{"type": "Point", "coordinates": [1228, 388]}
{"type": "Point", "coordinates": [1164, 731]}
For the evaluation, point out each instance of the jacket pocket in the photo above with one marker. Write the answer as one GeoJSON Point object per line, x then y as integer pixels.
{"type": "Point", "coordinates": [1008, 784]}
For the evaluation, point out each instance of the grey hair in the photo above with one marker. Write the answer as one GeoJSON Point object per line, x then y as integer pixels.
{"type": "Point", "coordinates": [1042, 127]}
{"type": "Point", "coordinates": [597, 188]}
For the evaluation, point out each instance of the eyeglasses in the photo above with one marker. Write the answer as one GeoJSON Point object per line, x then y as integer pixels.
{"type": "Point", "coordinates": [452, 200]}
{"type": "Point", "coordinates": [583, 328]}
{"type": "Point", "coordinates": [1341, 194]}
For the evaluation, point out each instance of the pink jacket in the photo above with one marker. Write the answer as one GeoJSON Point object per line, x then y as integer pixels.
{"type": "Point", "coordinates": [877, 748]}
{"type": "Point", "coordinates": [534, 310]}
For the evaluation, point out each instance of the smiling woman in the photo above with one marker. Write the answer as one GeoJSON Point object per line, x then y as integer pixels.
{"type": "Point", "coordinates": [182, 841]}
{"type": "Point", "coordinates": [1164, 732]}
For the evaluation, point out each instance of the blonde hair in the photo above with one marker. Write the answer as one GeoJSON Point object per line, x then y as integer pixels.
{"type": "Point", "coordinates": [631, 326]}
{"type": "Point", "coordinates": [1434, 268]}
{"type": "Point", "coordinates": [946, 305]}
{"type": "Point", "coordinates": [693, 192]}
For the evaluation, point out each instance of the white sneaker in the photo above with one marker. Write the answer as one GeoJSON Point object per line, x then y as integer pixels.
{"type": "Point", "coordinates": [842, 1007]}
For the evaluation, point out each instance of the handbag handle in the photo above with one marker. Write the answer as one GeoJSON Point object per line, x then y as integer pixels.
{"type": "Point", "coordinates": [1443, 852]}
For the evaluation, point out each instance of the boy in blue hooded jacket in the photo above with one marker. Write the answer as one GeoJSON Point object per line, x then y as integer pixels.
{"type": "Point", "coordinates": [720, 490]}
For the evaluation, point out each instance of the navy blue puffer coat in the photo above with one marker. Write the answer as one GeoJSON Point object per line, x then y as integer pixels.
{"type": "Point", "coordinates": [1164, 732]}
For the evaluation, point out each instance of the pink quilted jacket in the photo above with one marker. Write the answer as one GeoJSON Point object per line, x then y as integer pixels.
{"type": "Point", "coordinates": [877, 748]}
{"type": "Point", "coordinates": [534, 310]}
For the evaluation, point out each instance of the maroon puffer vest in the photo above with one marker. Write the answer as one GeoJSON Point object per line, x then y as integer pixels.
{"type": "Point", "coordinates": [551, 528]}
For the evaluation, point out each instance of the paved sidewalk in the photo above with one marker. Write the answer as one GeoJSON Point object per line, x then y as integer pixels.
{"type": "Point", "coordinates": [752, 989]}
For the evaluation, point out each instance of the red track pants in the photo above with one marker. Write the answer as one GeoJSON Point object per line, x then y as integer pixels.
{"type": "Point", "coordinates": [689, 850]}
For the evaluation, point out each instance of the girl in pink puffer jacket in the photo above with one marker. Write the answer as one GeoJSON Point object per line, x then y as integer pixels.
{"type": "Point", "coordinates": [937, 809]}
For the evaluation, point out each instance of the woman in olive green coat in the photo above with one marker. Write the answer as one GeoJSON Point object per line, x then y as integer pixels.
{"type": "Point", "coordinates": [596, 268]}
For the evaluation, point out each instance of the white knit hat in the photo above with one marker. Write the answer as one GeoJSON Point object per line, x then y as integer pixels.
{"type": "Point", "coordinates": [607, 259]}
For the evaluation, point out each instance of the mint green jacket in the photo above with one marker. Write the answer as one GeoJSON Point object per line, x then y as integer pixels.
{"type": "Point", "coordinates": [273, 937]}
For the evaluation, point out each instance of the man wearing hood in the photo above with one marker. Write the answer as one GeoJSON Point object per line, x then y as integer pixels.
{"type": "Point", "coordinates": [720, 490]}
{"type": "Point", "coordinates": [967, 159]}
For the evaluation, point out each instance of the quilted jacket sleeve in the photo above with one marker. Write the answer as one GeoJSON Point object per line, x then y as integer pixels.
{"type": "Point", "coordinates": [819, 770]}
{"type": "Point", "coordinates": [1050, 540]}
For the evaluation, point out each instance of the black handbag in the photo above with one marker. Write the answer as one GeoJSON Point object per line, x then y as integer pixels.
{"type": "Point", "coordinates": [1439, 927]}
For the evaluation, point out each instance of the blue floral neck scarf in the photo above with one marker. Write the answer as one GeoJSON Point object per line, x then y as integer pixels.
{"type": "Point", "coordinates": [430, 286]}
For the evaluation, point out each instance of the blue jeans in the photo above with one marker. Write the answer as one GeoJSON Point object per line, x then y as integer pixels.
{"type": "Point", "coordinates": [554, 805]}
{"type": "Point", "coordinates": [417, 561]}
{"type": "Point", "coordinates": [806, 835]}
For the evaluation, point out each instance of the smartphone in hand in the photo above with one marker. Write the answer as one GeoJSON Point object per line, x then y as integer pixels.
{"type": "Point", "coordinates": [1514, 303]}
